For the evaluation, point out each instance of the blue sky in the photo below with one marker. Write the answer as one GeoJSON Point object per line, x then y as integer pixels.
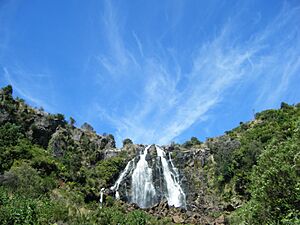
{"type": "Point", "coordinates": [153, 71]}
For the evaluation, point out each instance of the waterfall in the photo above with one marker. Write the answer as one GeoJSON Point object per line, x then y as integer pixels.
{"type": "Point", "coordinates": [125, 172]}
{"type": "Point", "coordinates": [175, 194]}
{"type": "Point", "coordinates": [101, 197]}
{"type": "Point", "coordinates": [143, 191]}
{"type": "Point", "coordinates": [150, 185]}
{"type": "Point", "coordinates": [174, 168]}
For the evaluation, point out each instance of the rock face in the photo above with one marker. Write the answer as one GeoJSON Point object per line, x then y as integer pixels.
{"type": "Point", "coordinates": [95, 147]}
{"type": "Point", "coordinates": [193, 169]}
{"type": "Point", "coordinates": [150, 177]}
{"type": "Point", "coordinates": [179, 176]}
{"type": "Point", "coordinates": [37, 124]}
{"type": "Point", "coordinates": [43, 126]}
{"type": "Point", "coordinates": [52, 132]}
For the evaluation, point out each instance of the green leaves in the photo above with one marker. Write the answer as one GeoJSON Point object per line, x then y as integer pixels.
{"type": "Point", "coordinates": [20, 209]}
{"type": "Point", "coordinates": [9, 135]}
{"type": "Point", "coordinates": [108, 170]}
{"type": "Point", "coordinates": [274, 178]}
{"type": "Point", "coordinates": [193, 142]}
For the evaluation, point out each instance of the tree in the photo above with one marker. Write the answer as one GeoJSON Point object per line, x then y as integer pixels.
{"type": "Point", "coordinates": [127, 141]}
{"type": "Point", "coordinates": [194, 141]}
{"type": "Point", "coordinates": [8, 90]}
{"type": "Point", "coordinates": [72, 121]}
{"type": "Point", "coordinates": [87, 127]}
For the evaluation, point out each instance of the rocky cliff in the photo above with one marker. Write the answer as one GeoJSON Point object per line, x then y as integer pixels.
{"type": "Point", "coordinates": [52, 172]}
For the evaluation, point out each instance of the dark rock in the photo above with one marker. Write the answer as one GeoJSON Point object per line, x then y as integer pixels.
{"type": "Point", "coordinates": [229, 208]}
{"type": "Point", "coordinates": [111, 153]}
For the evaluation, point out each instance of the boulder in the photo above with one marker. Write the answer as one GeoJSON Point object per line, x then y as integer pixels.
{"type": "Point", "coordinates": [177, 219]}
{"type": "Point", "coordinates": [220, 220]}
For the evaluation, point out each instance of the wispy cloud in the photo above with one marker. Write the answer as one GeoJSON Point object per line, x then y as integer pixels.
{"type": "Point", "coordinates": [118, 54]}
{"type": "Point", "coordinates": [280, 64]}
{"type": "Point", "coordinates": [7, 10]}
{"type": "Point", "coordinates": [31, 86]}
{"type": "Point", "coordinates": [170, 101]}
{"type": "Point", "coordinates": [139, 44]}
{"type": "Point", "coordinates": [35, 87]}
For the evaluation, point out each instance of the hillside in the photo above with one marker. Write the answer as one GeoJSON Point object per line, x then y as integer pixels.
{"type": "Point", "coordinates": [52, 171]}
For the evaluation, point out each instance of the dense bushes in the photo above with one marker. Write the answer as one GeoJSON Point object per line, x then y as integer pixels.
{"type": "Point", "coordinates": [263, 169]}
{"type": "Point", "coordinates": [257, 163]}
{"type": "Point", "coordinates": [127, 141]}
{"type": "Point", "coordinates": [192, 142]}
{"type": "Point", "coordinates": [275, 187]}
{"type": "Point", "coordinates": [59, 184]}
{"type": "Point", "coordinates": [35, 187]}
{"type": "Point", "coordinates": [22, 209]}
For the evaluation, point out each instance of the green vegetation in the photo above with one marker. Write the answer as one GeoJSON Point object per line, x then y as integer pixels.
{"type": "Point", "coordinates": [258, 162]}
{"type": "Point", "coordinates": [127, 141]}
{"type": "Point", "coordinates": [51, 172]}
{"type": "Point", "coordinates": [194, 142]}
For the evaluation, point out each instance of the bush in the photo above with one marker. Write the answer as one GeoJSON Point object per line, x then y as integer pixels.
{"type": "Point", "coordinates": [19, 209]}
{"type": "Point", "coordinates": [127, 141]}
{"type": "Point", "coordinates": [275, 186]}
{"type": "Point", "coordinates": [8, 90]}
{"type": "Point", "coordinates": [25, 180]}
{"type": "Point", "coordinates": [193, 142]}
{"type": "Point", "coordinates": [108, 170]}
{"type": "Point", "coordinates": [9, 134]}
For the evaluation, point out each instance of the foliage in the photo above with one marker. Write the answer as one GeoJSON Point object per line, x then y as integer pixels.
{"type": "Point", "coordinates": [108, 169]}
{"type": "Point", "coordinates": [72, 121]}
{"type": "Point", "coordinates": [258, 163]}
{"type": "Point", "coordinates": [25, 180]}
{"type": "Point", "coordinates": [8, 90]}
{"type": "Point", "coordinates": [275, 186]}
{"type": "Point", "coordinates": [127, 141]}
{"type": "Point", "coordinates": [87, 127]}
{"type": "Point", "coordinates": [9, 134]}
{"type": "Point", "coordinates": [193, 142]}
{"type": "Point", "coordinates": [263, 169]}
{"type": "Point", "coordinates": [20, 209]}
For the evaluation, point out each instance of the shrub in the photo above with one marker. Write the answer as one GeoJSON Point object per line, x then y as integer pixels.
{"type": "Point", "coordinates": [20, 209]}
{"type": "Point", "coordinates": [24, 179]}
{"type": "Point", "coordinates": [127, 141]}
{"type": "Point", "coordinates": [193, 142]}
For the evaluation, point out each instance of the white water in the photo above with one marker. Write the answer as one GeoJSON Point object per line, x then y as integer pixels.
{"type": "Point", "coordinates": [143, 191]}
{"type": "Point", "coordinates": [120, 179]}
{"type": "Point", "coordinates": [175, 195]}
{"type": "Point", "coordinates": [101, 197]}
{"type": "Point", "coordinates": [176, 174]}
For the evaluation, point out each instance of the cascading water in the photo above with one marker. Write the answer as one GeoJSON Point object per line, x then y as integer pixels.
{"type": "Point", "coordinates": [175, 194]}
{"type": "Point", "coordinates": [150, 185]}
{"type": "Point", "coordinates": [143, 191]}
{"type": "Point", "coordinates": [125, 172]}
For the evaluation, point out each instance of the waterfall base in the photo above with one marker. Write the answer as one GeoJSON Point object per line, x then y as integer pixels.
{"type": "Point", "coordinates": [149, 178]}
